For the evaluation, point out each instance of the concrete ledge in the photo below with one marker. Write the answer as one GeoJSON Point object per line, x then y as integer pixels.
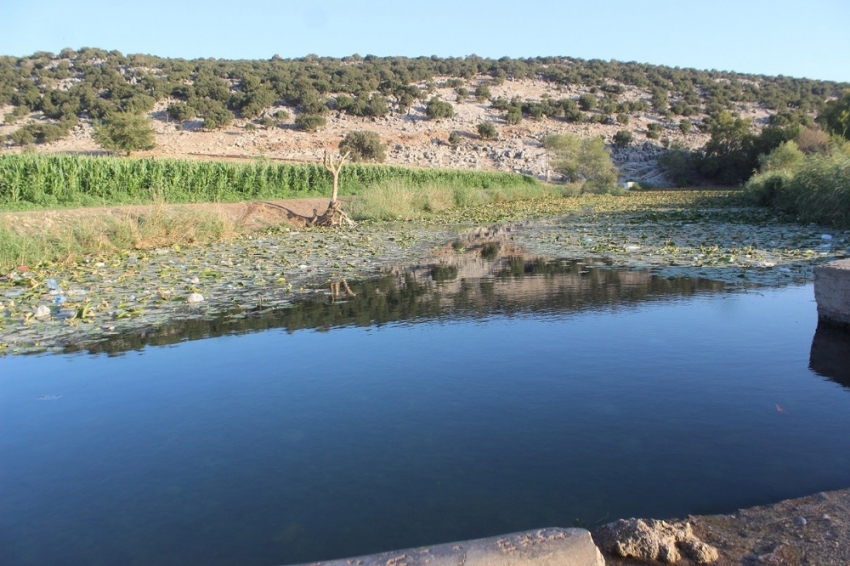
{"type": "Point", "coordinates": [832, 292]}
{"type": "Point", "coordinates": [541, 547]}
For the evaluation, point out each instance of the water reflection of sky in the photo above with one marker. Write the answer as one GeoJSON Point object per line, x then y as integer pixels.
{"type": "Point", "coordinates": [278, 446]}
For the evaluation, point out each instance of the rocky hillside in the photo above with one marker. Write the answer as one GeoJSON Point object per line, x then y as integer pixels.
{"type": "Point", "coordinates": [250, 109]}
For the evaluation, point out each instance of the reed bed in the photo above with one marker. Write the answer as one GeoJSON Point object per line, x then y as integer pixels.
{"type": "Point", "coordinates": [816, 190]}
{"type": "Point", "coordinates": [30, 181]}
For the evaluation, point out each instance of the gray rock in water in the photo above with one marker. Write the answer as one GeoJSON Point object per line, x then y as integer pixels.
{"type": "Point", "coordinates": [195, 298]}
{"type": "Point", "coordinates": [650, 539]}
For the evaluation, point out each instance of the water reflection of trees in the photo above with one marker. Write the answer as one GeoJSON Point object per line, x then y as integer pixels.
{"type": "Point", "coordinates": [511, 286]}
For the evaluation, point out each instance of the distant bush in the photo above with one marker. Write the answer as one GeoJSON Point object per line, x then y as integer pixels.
{"type": "Point", "coordinates": [640, 106]}
{"type": "Point", "coordinates": [281, 115]}
{"type": "Point", "coordinates": [437, 109]}
{"type": "Point", "coordinates": [653, 130]}
{"type": "Point", "coordinates": [364, 146]}
{"type": "Point", "coordinates": [455, 138]}
{"type": "Point", "coordinates": [215, 115]}
{"type": "Point", "coordinates": [683, 109]}
{"type": "Point", "coordinates": [660, 100]}
{"type": "Point", "coordinates": [583, 160]}
{"type": "Point", "coordinates": [310, 122]}
{"type": "Point", "coordinates": [623, 118]}
{"type": "Point", "coordinates": [514, 115]}
{"type": "Point", "coordinates": [267, 122]}
{"type": "Point", "coordinates": [785, 157]}
{"type": "Point", "coordinates": [623, 138]}
{"type": "Point", "coordinates": [685, 126]}
{"type": "Point", "coordinates": [487, 131]}
{"type": "Point", "coordinates": [482, 93]}
{"type": "Point", "coordinates": [571, 111]}
{"type": "Point", "coordinates": [680, 164]}
{"type": "Point", "coordinates": [836, 115]}
{"type": "Point", "coordinates": [125, 133]}
{"type": "Point", "coordinates": [500, 103]}
{"type": "Point", "coordinates": [811, 140]}
{"type": "Point", "coordinates": [181, 111]}
{"type": "Point", "coordinates": [587, 102]}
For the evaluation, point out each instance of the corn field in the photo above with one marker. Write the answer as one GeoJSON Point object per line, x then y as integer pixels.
{"type": "Point", "coordinates": [38, 180]}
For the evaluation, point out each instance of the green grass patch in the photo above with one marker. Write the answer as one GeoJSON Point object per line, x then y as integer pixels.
{"type": "Point", "coordinates": [406, 200]}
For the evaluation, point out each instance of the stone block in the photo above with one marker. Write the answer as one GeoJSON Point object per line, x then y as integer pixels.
{"type": "Point", "coordinates": [832, 292]}
{"type": "Point", "coordinates": [540, 547]}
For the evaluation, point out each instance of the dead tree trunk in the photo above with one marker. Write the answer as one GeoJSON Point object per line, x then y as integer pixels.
{"type": "Point", "coordinates": [334, 215]}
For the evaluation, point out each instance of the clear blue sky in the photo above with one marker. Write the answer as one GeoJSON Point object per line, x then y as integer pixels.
{"type": "Point", "coordinates": [789, 37]}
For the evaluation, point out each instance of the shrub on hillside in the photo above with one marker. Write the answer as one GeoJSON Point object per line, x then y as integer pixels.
{"type": "Point", "coordinates": [623, 138]}
{"type": "Point", "coordinates": [836, 115]}
{"type": "Point", "coordinates": [653, 130]}
{"type": "Point", "coordinates": [310, 122]}
{"type": "Point", "coordinates": [215, 114]}
{"type": "Point", "coordinates": [487, 131]}
{"type": "Point", "coordinates": [363, 146]}
{"type": "Point", "coordinates": [482, 93]}
{"type": "Point", "coordinates": [125, 133]}
{"type": "Point", "coordinates": [587, 102]}
{"type": "Point", "coordinates": [437, 109]}
{"type": "Point", "coordinates": [181, 111]}
{"type": "Point", "coordinates": [514, 115]}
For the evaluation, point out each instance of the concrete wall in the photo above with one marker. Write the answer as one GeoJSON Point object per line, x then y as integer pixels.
{"type": "Point", "coordinates": [540, 547]}
{"type": "Point", "coordinates": [832, 292]}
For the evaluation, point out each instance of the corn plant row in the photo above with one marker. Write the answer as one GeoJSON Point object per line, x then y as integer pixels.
{"type": "Point", "coordinates": [38, 180]}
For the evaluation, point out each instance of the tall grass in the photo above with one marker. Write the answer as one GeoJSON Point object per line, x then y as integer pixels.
{"type": "Point", "coordinates": [405, 200]}
{"type": "Point", "coordinates": [107, 234]}
{"type": "Point", "coordinates": [43, 181]}
{"type": "Point", "coordinates": [815, 190]}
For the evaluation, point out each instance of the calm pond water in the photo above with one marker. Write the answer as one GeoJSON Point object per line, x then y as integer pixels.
{"type": "Point", "coordinates": [441, 403]}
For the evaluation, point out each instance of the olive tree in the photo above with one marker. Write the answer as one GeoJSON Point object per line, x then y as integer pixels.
{"type": "Point", "coordinates": [125, 132]}
{"type": "Point", "coordinates": [585, 161]}
{"type": "Point", "coordinates": [363, 146]}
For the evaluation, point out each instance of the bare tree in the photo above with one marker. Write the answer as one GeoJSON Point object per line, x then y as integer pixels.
{"type": "Point", "coordinates": [334, 215]}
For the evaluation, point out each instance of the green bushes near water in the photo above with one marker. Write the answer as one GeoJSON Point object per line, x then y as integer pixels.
{"type": "Point", "coordinates": [815, 188]}
{"type": "Point", "coordinates": [42, 181]}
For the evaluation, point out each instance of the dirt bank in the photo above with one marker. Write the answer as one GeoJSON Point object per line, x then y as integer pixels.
{"type": "Point", "coordinates": [813, 530]}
